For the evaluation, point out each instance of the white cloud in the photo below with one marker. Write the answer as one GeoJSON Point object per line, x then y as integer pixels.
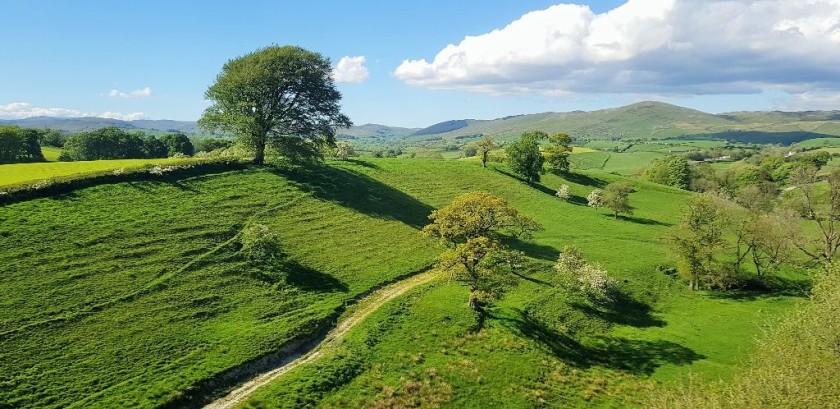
{"type": "Point", "coordinates": [140, 93]}
{"type": "Point", "coordinates": [812, 100]}
{"type": "Point", "coordinates": [125, 117]}
{"type": "Point", "coordinates": [666, 47]}
{"type": "Point", "coordinates": [21, 110]}
{"type": "Point", "coordinates": [351, 70]}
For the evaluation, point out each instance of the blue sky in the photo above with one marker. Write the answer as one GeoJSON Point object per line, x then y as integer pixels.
{"type": "Point", "coordinates": [155, 59]}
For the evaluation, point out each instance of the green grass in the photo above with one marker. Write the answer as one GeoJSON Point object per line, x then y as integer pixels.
{"type": "Point", "coordinates": [30, 172]}
{"type": "Point", "coordinates": [132, 294]}
{"type": "Point", "coordinates": [51, 153]}
{"type": "Point", "coordinates": [423, 350]}
{"type": "Point", "coordinates": [628, 163]}
{"type": "Point", "coordinates": [115, 296]}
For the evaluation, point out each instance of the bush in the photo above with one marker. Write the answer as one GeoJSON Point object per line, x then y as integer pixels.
{"type": "Point", "coordinates": [260, 244]}
{"type": "Point", "coordinates": [564, 192]}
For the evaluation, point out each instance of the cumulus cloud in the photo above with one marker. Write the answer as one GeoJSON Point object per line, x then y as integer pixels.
{"type": "Point", "coordinates": [351, 70]}
{"type": "Point", "coordinates": [21, 110]}
{"type": "Point", "coordinates": [140, 93]}
{"type": "Point", "coordinates": [666, 47]}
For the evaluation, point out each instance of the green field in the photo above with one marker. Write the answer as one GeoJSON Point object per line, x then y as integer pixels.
{"type": "Point", "coordinates": [133, 294]}
{"type": "Point", "coordinates": [51, 153]}
{"type": "Point", "coordinates": [629, 163]}
{"type": "Point", "coordinates": [31, 172]}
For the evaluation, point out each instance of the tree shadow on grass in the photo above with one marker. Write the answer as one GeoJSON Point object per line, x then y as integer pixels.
{"type": "Point", "coordinates": [309, 279]}
{"type": "Point", "coordinates": [639, 357]}
{"type": "Point", "coordinates": [533, 250]}
{"type": "Point", "coordinates": [768, 286]}
{"type": "Point", "coordinates": [584, 180]}
{"type": "Point", "coordinates": [542, 188]}
{"type": "Point", "coordinates": [292, 273]}
{"type": "Point", "coordinates": [358, 192]}
{"type": "Point", "coordinates": [624, 310]}
{"type": "Point", "coordinates": [364, 164]}
{"type": "Point", "coordinates": [641, 220]}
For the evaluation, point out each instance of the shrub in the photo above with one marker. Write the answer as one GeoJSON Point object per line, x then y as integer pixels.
{"type": "Point", "coordinates": [564, 192]}
{"type": "Point", "coordinates": [259, 243]}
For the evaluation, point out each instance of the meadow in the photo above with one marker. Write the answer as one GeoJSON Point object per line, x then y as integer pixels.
{"type": "Point", "coordinates": [135, 294]}
{"type": "Point", "coordinates": [17, 173]}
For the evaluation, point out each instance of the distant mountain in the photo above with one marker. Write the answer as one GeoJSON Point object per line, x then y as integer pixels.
{"type": "Point", "coordinates": [650, 119]}
{"type": "Point", "coordinates": [442, 127]}
{"type": "Point", "coordinates": [91, 123]}
{"type": "Point", "coordinates": [375, 131]}
{"type": "Point", "coordinates": [641, 120]}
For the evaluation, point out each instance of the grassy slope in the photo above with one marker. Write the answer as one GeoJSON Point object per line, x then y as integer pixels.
{"type": "Point", "coordinates": [51, 153]}
{"type": "Point", "coordinates": [421, 351]}
{"type": "Point", "coordinates": [30, 172]}
{"type": "Point", "coordinates": [128, 317]}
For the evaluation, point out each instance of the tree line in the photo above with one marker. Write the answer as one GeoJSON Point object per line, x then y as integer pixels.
{"type": "Point", "coordinates": [115, 143]}
{"type": "Point", "coordinates": [20, 145]}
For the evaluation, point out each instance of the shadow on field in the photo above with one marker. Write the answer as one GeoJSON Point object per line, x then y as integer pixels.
{"type": "Point", "coordinates": [308, 279]}
{"type": "Point", "coordinates": [637, 356]}
{"type": "Point", "coordinates": [538, 186]}
{"type": "Point", "coordinates": [363, 164]}
{"type": "Point", "coordinates": [768, 286]}
{"type": "Point", "coordinates": [359, 192]}
{"type": "Point", "coordinates": [624, 310]}
{"type": "Point", "coordinates": [292, 273]}
{"type": "Point", "coordinates": [534, 250]}
{"type": "Point", "coordinates": [641, 220]}
{"type": "Point", "coordinates": [584, 180]}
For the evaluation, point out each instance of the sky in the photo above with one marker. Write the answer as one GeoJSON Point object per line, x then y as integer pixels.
{"type": "Point", "coordinates": [414, 64]}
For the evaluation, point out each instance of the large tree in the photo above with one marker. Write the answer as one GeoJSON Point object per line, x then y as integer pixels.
{"type": "Point", "coordinates": [524, 156]}
{"type": "Point", "coordinates": [283, 97]}
{"type": "Point", "coordinates": [471, 227]}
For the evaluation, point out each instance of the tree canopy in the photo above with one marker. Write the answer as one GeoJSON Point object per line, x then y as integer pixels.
{"type": "Point", "coordinates": [471, 226]}
{"type": "Point", "coordinates": [283, 97]}
{"type": "Point", "coordinates": [20, 145]}
{"type": "Point", "coordinates": [524, 156]}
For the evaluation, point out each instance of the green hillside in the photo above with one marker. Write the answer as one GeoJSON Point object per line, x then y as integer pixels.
{"type": "Point", "coordinates": [135, 295]}
{"type": "Point", "coordinates": [652, 120]}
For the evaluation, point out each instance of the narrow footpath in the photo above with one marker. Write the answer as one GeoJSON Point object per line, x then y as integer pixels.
{"type": "Point", "coordinates": [358, 314]}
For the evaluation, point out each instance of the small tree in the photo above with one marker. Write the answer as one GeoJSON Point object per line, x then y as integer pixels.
{"type": "Point", "coordinates": [259, 244]}
{"type": "Point", "coordinates": [471, 227]}
{"type": "Point", "coordinates": [557, 152]}
{"type": "Point", "coordinates": [595, 198]}
{"type": "Point", "coordinates": [344, 150]}
{"type": "Point", "coordinates": [590, 278]}
{"type": "Point", "coordinates": [485, 145]}
{"type": "Point", "coordinates": [564, 192]}
{"type": "Point", "coordinates": [697, 238]}
{"type": "Point", "coordinates": [524, 156]}
{"type": "Point", "coordinates": [825, 212]}
{"type": "Point", "coordinates": [616, 197]}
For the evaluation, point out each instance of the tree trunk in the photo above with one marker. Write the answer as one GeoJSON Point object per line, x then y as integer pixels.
{"type": "Point", "coordinates": [484, 160]}
{"type": "Point", "coordinates": [259, 156]}
{"type": "Point", "coordinates": [474, 302]}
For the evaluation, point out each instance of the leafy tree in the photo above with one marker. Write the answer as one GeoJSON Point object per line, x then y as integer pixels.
{"type": "Point", "coordinates": [484, 146]}
{"type": "Point", "coordinates": [153, 147]}
{"type": "Point", "coordinates": [51, 137]}
{"type": "Point", "coordinates": [20, 145]}
{"type": "Point", "coordinates": [472, 227]}
{"type": "Point", "coordinates": [178, 143]}
{"type": "Point", "coordinates": [564, 192]}
{"type": "Point", "coordinates": [825, 212]}
{"type": "Point", "coordinates": [698, 237]}
{"type": "Point", "coordinates": [616, 197]}
{"type": "Point", "coordinates": [671, 171]}
{"type": "Point", "coordinates": [595, 198]}
{"type": "Point", "coordinates": [283, 97]}
{"type": "Point", "coordinates": [210, 144]}
{"type": "Point", "coordinates": [557, 152]}
{"type": "Point", "coordinates": [468, 151]}
{"type": "Point", "coordinates": [344, 150]}
{"type": "Point", "coordinates": [524, 156]}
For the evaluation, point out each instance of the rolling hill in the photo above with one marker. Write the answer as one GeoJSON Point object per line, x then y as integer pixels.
{"type": "Point", "coordinates": [643, 120]}
{"type": "Point", "coordinates": [135, 294]}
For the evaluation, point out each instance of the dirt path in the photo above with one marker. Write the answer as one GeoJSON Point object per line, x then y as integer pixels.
{"type": "Point", "coordinates": [358, 313]}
